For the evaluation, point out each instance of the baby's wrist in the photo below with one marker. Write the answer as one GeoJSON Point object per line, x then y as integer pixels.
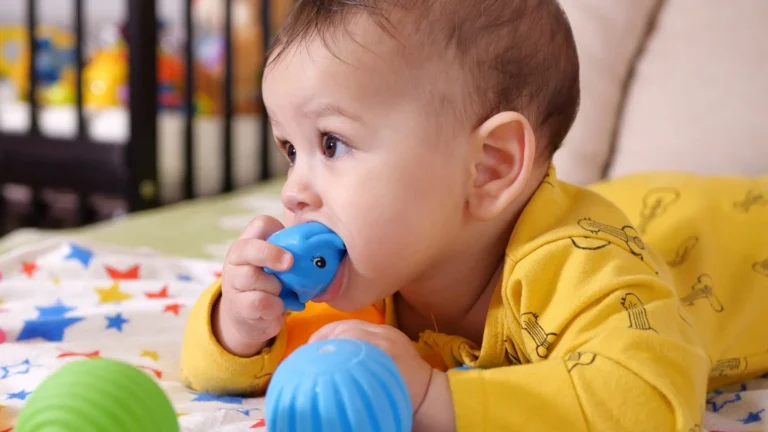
{"type": "Point", "coordinates": [229, 338]}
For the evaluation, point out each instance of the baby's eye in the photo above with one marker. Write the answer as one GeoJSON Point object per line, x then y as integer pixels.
{"type": "Point", "coordinates": [333, 147]}
{"type": "Point", "coordinates": [290, 152]}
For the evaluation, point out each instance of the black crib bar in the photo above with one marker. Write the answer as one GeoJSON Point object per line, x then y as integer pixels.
{"type": "Point", "coordinates": [266, 23]}
{"type": "Point", "coordinates": [79, 67]}
{"type": "Point", "coordinates": [31, 27]}
{"type": "Point", "coordinates": [189, 145]}
{"type": "Point", "coordinates": [228, 97]}
{"type": "Point", "coordinates": [85, 210]}
{"type": "Point", "coordinates": [141, 151]}
{"type": "Point", "coordinates": [38, 203]}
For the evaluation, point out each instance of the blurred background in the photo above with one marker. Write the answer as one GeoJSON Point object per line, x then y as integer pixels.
{"type": "Point", "coordinates": [160, 117]}
{"type": "Point", "coordinates": [73, 184]}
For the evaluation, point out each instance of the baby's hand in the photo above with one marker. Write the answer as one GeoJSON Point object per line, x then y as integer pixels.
{"type": "Point", "coordinates": [416, 372]}
{"type": "Point", "coordinates": [249, 312]}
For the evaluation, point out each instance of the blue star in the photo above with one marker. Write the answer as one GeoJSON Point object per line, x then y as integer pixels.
{"type": "Point", "coordinates": [56, 310]}
{"type": "Point", "coordinates": [116, 322]}
{"type": "Point", "coordinates": [50, 323]}
{"type": "Point", "coordinates": [79, 253]}
{"type": "Point", "coordinates": [712, 400]}
{"type": "Point", "coordinates": [184, 277]}
{"type": "Point", "coordinates": [752, 417]}
{"type": "Point", "coordinates": [16, 369]}
{"type": "Point", "coordinates": [245, 412]}
{"type": "Point", "coordinates": [22, 395]}
{"type": "Point", "coordinates": [208, 397]}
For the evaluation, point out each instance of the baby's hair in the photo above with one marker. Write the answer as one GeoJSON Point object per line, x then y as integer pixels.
{"type": "Point", "coordinates": [516, 55]}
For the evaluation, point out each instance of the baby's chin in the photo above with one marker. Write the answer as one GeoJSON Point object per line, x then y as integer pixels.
{"type": "Point", "coordinates": [353, 297]}
{"type": "Point", "coordinates": [348, 303]}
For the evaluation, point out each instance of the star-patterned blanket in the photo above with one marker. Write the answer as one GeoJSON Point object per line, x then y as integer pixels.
{"type": "Point", "coordinates": [64, 300]}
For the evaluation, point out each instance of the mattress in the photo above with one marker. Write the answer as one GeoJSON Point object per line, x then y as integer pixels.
{"type": "Point", "coordinates": [112, 127]}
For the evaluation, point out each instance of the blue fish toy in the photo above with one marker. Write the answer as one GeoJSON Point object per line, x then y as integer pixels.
{"type": "Point", "coordinates": [317, 253]}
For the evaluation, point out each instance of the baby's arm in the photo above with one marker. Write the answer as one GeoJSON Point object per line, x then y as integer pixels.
{"type": "Point", "coordinates": [609, 348]}
{"type": "Point", "coordinates": [207, 367]}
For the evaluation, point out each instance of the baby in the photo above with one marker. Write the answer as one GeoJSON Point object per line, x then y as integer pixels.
{"type": "Point", "coordinates": [422, 132]}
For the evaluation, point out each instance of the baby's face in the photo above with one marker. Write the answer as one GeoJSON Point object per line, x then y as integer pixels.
{"type": "Point", "coordinates": [373, 157]}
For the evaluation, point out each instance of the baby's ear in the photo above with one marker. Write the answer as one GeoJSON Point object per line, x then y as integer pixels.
{"type": "Point", "coordinates": [503, 163]}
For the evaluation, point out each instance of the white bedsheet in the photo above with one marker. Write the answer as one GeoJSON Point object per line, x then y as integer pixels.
{"type": "Point", "coordinates": [112, 127]}
{"type": "Point", "coordinates": [131, 305]}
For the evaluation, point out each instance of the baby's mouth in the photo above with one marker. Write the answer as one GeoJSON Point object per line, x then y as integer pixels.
{"type": "Point", "coordinates": [336, 285]}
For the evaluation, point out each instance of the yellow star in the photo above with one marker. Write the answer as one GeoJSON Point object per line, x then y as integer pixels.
{"type": "Point", "coordinates": [56, 281]}
{"type": "Point", "coordinates": [112, 294]}
{"type": "Point", "coordinates": [151, 354]}
{"type": "Point", "coordinates": [179, 414]}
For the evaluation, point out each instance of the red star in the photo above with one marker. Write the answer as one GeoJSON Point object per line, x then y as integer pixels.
{"type": "Point", "coordinates": [156, 372]}
{"type": "Point", "coordinates": [92, 354]}
{"type": "Point", "coordinates": [131, 273]}
{"type": "Point", "coordinates": [173, 308]}
{"type": "Point", "coordinates": [217, 274]}
{"type": "Point", "coordinates": [29, 268]}
{"type": "Point", "coordinates": [8, 430]}
{"type": "Point", "coordinates": [163, 293]}
{"type": "Point", "coordinates": [259, 424]}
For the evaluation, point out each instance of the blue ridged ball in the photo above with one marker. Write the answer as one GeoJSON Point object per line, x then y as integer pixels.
{"type": "Point", "coordinates": [338, 385]}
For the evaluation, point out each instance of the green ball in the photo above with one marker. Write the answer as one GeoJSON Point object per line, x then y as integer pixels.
{"type": "Point", "coordinates": [98, 395]}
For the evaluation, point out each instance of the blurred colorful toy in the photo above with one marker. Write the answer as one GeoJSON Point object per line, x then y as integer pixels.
{"type": "Point", "coordinates": [170, 80]}
{"type": "Point", "coordinates": [61, 92]}
{"type": "Point", "coordinates": [247, 50]}
{"type": "Point", "coordinates": [104, 76]}
{"type": "Point", "coordinates": [339, 385]}
{"type": "Point", "coordinates": [51, 60]}
{"type": "Point", "coordinates": [317, 253]}
{"type": "Point", "coordinates": [54, 58]}
{"type": "Point", "coordinates": [95, 395]}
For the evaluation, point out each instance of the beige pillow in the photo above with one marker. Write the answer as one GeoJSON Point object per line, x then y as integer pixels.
{"type": "Point", "coordinates": [608, 34]}
{"type": "Point", "coordinates": [699, 98]}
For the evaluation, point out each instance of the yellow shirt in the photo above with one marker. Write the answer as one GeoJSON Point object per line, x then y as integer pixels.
{"type": "Point", "coordinates": [586, 329]}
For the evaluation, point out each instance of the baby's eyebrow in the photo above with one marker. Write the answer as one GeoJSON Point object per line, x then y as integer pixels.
{"type": "Point", "coordinates": [330, 109]}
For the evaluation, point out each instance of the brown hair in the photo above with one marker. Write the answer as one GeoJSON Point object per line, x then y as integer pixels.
{"type": "Point", "coordinates": [518, 55]}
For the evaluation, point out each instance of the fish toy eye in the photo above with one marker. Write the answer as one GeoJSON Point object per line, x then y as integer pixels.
{"type": "Point", "coordinates": [319, 262]}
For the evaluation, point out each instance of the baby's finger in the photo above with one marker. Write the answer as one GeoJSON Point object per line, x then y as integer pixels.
{"type": "Point", "coordinates": [249, 278]}
{"type": "Point", "coordinates": [256, 305]}
{"type": "Point", "coordinates": [261, 227]}
{"type": "Point", "coordinates": [256, 330]}
{"type": "Point", "coordinates": [259, 253]}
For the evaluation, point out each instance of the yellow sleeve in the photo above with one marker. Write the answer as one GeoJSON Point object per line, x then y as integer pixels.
{"type": "Point", "coordinates": [207, 367]}
{"type": "Point", "coordinates": [607, 345]}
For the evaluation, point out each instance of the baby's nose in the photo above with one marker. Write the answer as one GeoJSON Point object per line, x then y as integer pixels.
{"type": "Point", "coordinates": [299, 195]}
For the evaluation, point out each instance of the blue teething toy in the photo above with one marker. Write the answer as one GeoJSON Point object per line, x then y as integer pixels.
{"type": "Point", "coordinates": [317, 252]}
{"type": "Point", "coordinates": [339, 385]}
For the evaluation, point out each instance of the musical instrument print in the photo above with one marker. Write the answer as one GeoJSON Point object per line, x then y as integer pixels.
{"type": "Point", "coordinates": [656, 202]}
{"type": "Point", "coordinates": [626, 234]}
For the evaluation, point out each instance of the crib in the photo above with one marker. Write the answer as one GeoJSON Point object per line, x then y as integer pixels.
{"type": "Point", "coordinates": [138, 154]}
